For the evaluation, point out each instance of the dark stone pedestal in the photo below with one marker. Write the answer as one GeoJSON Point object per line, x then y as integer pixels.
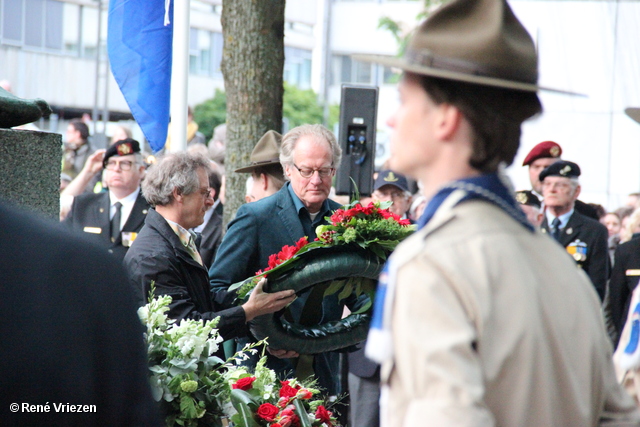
{"type": "Point", "coordinates": [30, 165]}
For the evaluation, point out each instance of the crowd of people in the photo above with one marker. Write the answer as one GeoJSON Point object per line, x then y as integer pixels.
{"type": "Point", "coordinates": [503, 308]}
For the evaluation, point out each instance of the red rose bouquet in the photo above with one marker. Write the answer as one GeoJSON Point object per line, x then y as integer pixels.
{"type": "Point", "coordinates": [259, 399]}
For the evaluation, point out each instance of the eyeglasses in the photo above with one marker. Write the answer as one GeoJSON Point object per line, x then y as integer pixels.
{"type": "Point", "coordinates": [559, 185]}
{"type": "Point", "coordinates": [206, 193]}
{"type": "Point", "coordinates": [308, 173]}
{"type": "Point", "coordinates": [125, 165]}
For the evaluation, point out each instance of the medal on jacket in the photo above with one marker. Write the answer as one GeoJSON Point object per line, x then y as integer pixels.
{"type": "Point", "coordinates": [578, 250]}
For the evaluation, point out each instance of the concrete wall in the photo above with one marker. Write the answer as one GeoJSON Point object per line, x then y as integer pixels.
{"type": "Point", "coordinates": [30, 170]}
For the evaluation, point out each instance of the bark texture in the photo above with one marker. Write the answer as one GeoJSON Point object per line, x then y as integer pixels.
{"type": "Point", "coordinates": [252, 66]}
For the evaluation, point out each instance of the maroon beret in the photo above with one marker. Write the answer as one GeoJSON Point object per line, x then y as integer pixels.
{"type": "Point", "coordinates": [542, 151]}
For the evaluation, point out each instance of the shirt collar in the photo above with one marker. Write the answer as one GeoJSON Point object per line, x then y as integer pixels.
{"type": "Point", "coordinates": [130, 199]}
{"type": "Point", "coordinates": [564, 218]}
{"type": "Point", "coordinates": [299, 205]}
{"type": "Point", "coordinates": [183, 234]}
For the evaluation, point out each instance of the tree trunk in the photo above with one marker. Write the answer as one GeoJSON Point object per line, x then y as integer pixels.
{"type": "Point", "coordinates": [252, 66]}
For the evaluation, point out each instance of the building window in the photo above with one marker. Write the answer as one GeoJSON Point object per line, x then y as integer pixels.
{"type": "Point", "coordinates": [205, 52]}
{"type": "Point", "coordinates": [346, 70]}
{"type": "Point", "coordinates": [297, 67]}
{"type": "Point", "coordinates": [48, 25]}
{"type": "Point", "coordinates": [12, 21]}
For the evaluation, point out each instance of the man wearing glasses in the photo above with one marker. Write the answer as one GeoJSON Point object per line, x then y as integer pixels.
{"type": "Point", "coordinates": [165, 254]}
{"type": "Point", "coordinates": [112, 219]}
{"type": "Point", "coordinates": [309, 156]}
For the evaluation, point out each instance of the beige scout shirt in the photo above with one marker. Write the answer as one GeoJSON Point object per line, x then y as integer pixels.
{"type": "Point", "coordinates": [494, 325]}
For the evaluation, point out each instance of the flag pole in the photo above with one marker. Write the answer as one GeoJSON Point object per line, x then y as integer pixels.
{"type": "Point", "coordinates": [179, 75]}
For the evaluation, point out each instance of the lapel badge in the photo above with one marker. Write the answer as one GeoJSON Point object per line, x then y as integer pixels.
{"type": "Point", "coordinates": [101, 210]}
{"type": "Point", "coordinates": [578, 250]}
{"type": "Point", "coordinates": [569, 230]}
{"type": "Point", "coordinates": [144, 211]}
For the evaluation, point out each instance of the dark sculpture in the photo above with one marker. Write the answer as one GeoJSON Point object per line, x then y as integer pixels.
{"type": "Point", "coordinates": [16, 111]}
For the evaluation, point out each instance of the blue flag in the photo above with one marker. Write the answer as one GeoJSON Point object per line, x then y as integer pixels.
{"type": "Point", "coordinates": [139, 46]}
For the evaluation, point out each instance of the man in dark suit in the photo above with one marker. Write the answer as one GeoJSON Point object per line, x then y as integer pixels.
{"type": "Point", "coordinates": [69, 332]}
{"type": "Point", "coordinates": [584, 238]}
{"type": "Point", "coordinates": [112, 219]}
{"type": "Point", "coordinates": [165, 253]}
{"type": "Point", "coordinates": [210, 231]}
{"type": "Point", "coordinates": [309, 156]}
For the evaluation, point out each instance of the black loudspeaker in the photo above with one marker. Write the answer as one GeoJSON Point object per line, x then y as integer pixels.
{"type": "Point", "coordinates": [357, 138]}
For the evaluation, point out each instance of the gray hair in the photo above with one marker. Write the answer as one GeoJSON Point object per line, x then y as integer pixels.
{"type": "Point", "coordinates": [178, 171]}
{"type": "Point", "coordinates": [319, 132]}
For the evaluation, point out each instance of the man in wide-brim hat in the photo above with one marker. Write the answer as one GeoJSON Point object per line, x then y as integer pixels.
{"type": "Point", "coordinates": [480, 319]}
{"type": "Point", "coordinates": [265, 168]}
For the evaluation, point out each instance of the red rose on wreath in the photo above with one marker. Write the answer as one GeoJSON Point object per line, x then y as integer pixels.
{"type": "Point", "coordinates": [267, 412]}
{"type": "Point", "coordinates": [287, 391]}
{"type": "Point", "coordinates": [276, 425]}
{"type": "Point", "coordinates": [305, 394]}
{"type": "Point", "coordinates": [323, 415]}
{"type": "Point", "coordinates": [245, 383]}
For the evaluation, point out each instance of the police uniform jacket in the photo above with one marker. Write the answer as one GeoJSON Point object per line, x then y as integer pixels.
{"type": "Point", "coordinates": [89, 215]}
{"type": "Point", "coordinates": [579, 231]}
{"type": "Point", "coordinates": [158, 256]}
{"type": "Point", "coordinates": [494, 325]}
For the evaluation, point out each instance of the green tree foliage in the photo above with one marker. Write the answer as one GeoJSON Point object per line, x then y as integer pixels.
{"type": "Point", "coordinates": [211, 113]}
{"type": "Point", "coordinates": [300, 107]}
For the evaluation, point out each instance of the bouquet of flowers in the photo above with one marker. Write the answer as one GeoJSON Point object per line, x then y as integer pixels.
{"type": "Point", "coordinates": [260, 400]}
{"type": "Point", "coordinates": [373, 227]}
{"type": "Point", "coordinates": [196, 388]}
{"type": "Point", "coordinates": [182, 366]}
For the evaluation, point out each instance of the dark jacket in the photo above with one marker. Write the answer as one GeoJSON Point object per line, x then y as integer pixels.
{"type": "Point", "coordinates": [590, 232]}
{"type": "Point", "coordinates": [259, 230]}
{"type": "Point", "coordinates": [624, 279]}
{"type": "Point", "coordinates": [69, 330]}
{"type": "Point", "coordinates": [158, 256]}
{"type": "Point", "coordinates": [89, 215]}
{"type": "Point", "coordinates": [211, 237]}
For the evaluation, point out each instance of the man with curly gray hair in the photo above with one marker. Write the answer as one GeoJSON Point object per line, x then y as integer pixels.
{"type": "Point", "coordinates": [165, 254]}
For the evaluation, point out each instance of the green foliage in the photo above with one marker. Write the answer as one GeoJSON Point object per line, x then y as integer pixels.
{"type": "Point", "coordinates": [211, 113]}
{"type": "Point", "coordinates": [299, 107]}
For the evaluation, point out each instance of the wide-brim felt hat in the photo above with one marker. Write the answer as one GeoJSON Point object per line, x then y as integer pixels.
{"type": "Point", "coordinates": [633, 112]}
{"type": "Point", "coordinates": [473, 41]}
{"type": "Point", "coordinates": [265, 153]}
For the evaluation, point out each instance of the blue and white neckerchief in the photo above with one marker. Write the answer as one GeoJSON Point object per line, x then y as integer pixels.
{"type": "Point", "coordinates": [494, 188]}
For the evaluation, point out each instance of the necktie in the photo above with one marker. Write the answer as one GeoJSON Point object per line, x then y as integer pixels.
{"type": "Point", "coordinates": [193, 250]}
{"type": "Point", "coordinates": [115, 222]}
{"type": "Point", "coordinates": [555, 228]}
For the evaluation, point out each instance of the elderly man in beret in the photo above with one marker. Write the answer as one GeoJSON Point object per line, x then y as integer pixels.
{"type": "Point", "coordinates": [539, 158]}
{"type": "Point", "coordinates": [585, 239]}
{"type": "Point", "coordinates": [479, 319]}
{"type": "Point", "coordinates": [113, 218]}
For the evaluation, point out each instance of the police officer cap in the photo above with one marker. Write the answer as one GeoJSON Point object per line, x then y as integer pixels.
{"type": "Point", "coordinates": [124, 147]}
{"type": "Point", "coordinates": [526, 197]}
{"type": "Point", "coordinates": [389, 177]}
{"type": "Point", "coordinates": [561, 168]}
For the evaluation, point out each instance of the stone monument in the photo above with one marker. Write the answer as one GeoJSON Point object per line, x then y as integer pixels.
{"type": "Point", "coordinates": [30, 161]}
